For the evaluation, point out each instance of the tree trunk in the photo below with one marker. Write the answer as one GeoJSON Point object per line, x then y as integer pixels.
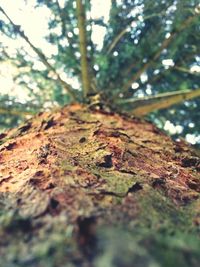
{"type": "Point", "coordinates": [90, 188]}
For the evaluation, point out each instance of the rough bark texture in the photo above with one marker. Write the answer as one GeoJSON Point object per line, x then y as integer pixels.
{"type": "Point", "coordinates": [90, 188]}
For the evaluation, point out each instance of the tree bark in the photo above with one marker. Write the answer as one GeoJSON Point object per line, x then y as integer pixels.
{"type": "Point", "coordinates": [90, 188]}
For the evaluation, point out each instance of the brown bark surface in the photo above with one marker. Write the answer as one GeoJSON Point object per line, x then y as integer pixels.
{"type": "Point", "coordinates": [78, 186]}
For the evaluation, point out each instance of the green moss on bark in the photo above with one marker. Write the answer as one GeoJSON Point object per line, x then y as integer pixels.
{"type": "Point", "coordinates": [98, 189]}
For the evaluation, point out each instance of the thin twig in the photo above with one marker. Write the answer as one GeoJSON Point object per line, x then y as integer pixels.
{"type": "Point", "coordinates": [124, 31]}
{"type": "Point", "coordinates": [163, 46]}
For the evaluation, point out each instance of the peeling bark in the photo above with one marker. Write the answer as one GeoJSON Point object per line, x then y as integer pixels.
{"type": "Point", "coordinates": [90, 188]}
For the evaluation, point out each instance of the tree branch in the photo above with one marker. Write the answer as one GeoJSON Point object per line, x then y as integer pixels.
{"type": "Point", "coordinates": [63, 24]}
{"type": "Point", "coordinates": [182, 69]}
{"type": "Point", "coordinates": [83, 48]}
{"type": "Point", "coordinates": [15, 112]}
{"type": "Point", "coordinates": [42, 57]}
{"type": "Point", "coordinates": [124, 31]}
{"type": "Point", "coordinates": [163, 46]}
{"type": "Point", "coordinates": [142, 107]}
